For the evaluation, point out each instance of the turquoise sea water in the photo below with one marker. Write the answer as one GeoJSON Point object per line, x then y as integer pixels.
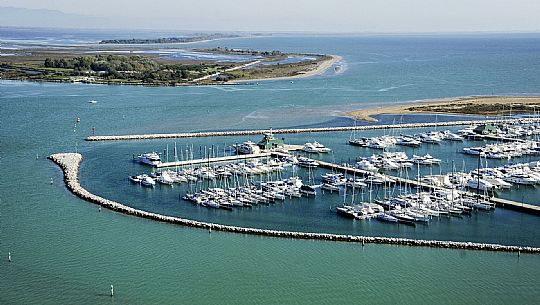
{"type": "Point", "coordinates": [64, 251]}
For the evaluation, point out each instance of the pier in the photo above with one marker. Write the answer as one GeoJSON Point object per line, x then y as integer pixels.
{"type": "Point", "coordinates": [214, 160]}
{"type": "Point", "coordinates": [70, 163]}
{"type": "Point", "coordinates": [302, 130]}
{"type": "Point", "coordinates": [508, 204]}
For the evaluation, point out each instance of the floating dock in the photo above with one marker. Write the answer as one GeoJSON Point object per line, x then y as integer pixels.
{"type": "Point", "coordinates": [301, 130]}
{"type": "Point", "coordinates": [70, 163]}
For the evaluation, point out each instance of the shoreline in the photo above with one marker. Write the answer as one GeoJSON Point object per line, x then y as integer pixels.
{"type": "Point", "coordinates": [70, 166]}
{"type": "Point", "coordinates": [462, 105]}
{"type": "Point", "coordinates": [321, 68]}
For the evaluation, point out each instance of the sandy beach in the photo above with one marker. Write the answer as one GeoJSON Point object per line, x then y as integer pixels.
{"type": "Point", "coordinates": [465, 105]}
{"type": "Point", "coordinates": [321, 68]}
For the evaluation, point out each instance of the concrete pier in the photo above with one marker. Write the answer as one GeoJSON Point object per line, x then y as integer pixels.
{"type": "Point", "coordinates": [214, 160]}
{"type": "Point", "coordinates": [70, 162]}
{"type": "Point", "coordinates": [301, 130]}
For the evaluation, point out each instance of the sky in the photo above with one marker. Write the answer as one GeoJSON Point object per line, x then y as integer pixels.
{"type": "Point", "coordinates": [346, 16]}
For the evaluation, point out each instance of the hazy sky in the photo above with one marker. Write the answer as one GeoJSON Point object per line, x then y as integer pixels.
{"type": "Point", "coordinates": [299, 15]}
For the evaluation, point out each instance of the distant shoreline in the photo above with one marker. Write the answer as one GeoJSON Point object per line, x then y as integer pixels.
{"type": "Point", "coordinates": [465, 105]}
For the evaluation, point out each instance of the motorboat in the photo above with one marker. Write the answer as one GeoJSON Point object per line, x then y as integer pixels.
{"type": "Point", "coordinates": [247, 148]}
{"type": "Point", "coordinates": [147, 181]}
{"type": "Point", "coordinates": [387, 217]}
{"type": "Point", "coordinates": [310, 148]}
{"type": "Point", "coordinates": [308, 190]}
{"type": "Point", "coordinates": [306, 162]}
{"type": "Point", "coordinates": [453, 137]}
{"type": "Point", "coordinates": [330, 187]}
{"type": "Point", "coordinates": [165, 178]}
{"type": "Point", "coordinates": [408, 141]}
{"type": "Point", "coordinates": [425, 160]}
{"type": "Point", "coordinates": [151, 158]}
{"type": "Point", "coordinates": [321, 148]}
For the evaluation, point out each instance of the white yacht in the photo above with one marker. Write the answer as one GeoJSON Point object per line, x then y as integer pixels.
{"type": "Point", "coordinates": [149, 158]}
{"type": "Point", "coordinates": [147, 181]}
{"type": "Point", "coordinates": [306, 162]}
{"type": "Point", "coordinates": [408, 141]}
{"type": "Point", "coordinates": [523, 179]}
{"type": "Point", "coordinates": [425, 160]}
{"type": "Point", "coordinates": [453, 137]}
{"type": "Point", "coordinates": [367, 166]}
{"type": "Point", "coordinates": [310, 148]}
{"type": "Point", "coordinates": [480, 184]}
{"type": "Point", "coordinates": [247, 147]}
{"type": "Point", "coordinates": [165, 178]}
{"type": "Point", "coordinates": [321, 148]}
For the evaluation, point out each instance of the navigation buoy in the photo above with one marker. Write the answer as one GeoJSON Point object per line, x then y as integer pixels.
{"type": "Point", "coordinates": [51, 180]}
{"type": "Point", "coordinates": [112, 290]}
{"type": "Point", "coordinates": [9, 257]}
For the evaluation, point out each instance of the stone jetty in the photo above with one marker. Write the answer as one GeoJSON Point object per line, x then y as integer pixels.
{"type": "Point", "coordinates": [301, 130]}
{"type": "Point", "coordinates": [70, 162]}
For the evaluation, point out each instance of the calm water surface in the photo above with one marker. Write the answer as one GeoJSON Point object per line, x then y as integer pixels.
{"type": "Point", "coordinates": [64, 251]}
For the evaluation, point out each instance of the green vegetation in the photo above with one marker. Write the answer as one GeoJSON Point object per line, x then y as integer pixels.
{"type": "Point", "coordinates": [110, 68]}
{"type": "Point", "coordinates": [479, 108]}
{"type": "Point", "coordinates": [77, 66]}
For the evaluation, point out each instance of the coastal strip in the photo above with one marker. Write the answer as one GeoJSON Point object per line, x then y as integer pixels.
{"type": "Point", "coordinates": [319, 70]}
{"type": "Point", "coordinates": [70, 163]}
{"type": "Point", "coordinates": [463, 105]}
{"type": "Point", "coordinates": [301, 130]}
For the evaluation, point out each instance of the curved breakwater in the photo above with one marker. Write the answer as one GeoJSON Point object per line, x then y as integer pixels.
{"type": "Point", "coordinates": [70, 162]}
{"type": "Point", "coordinates": [301, 130]}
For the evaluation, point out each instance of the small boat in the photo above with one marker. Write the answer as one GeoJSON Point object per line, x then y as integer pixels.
{"type": "Point", "coordinates": [306, 162]}
{"type": "Point", "coordinates": [387, 217]}
{"type": "Point", "coordinates": [165, 178]}
{"type": "Point", "coordinates": [308, 190]}
{"type": "Point", "coordinates": [408, 141]}
{"type": "Point", "coordinates": [321, 148]}
{"type": "Point", "coordinates": [93, 102]}
{"type": "Point", "coordinates": [247, 147]}
{"type": "Point", "coordinates": [310, 148]}
{"type": "Point", "coordinates": [135, 179]}
{"type": "Point", "coordinates": [453, 137]}
{"type": "Point", "coordinates": [147, 181]}
{"type": "Point", "coordinates": [330, 187]}
{"type": "Point", "coordinates": [346, 211]}
{"type": "Point", "coordinates": [425, 160]}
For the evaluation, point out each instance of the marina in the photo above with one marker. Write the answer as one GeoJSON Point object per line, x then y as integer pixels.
{"type": "Point", "coordinates": [69, 163]}
{"type": "Point", "coordinates": [66, 249]}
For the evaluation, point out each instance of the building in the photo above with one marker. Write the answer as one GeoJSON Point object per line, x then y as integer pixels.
{"type": "Point", "coordinates": [485, 129]}
{"type": "Point", "coordinates": [270, 142]}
